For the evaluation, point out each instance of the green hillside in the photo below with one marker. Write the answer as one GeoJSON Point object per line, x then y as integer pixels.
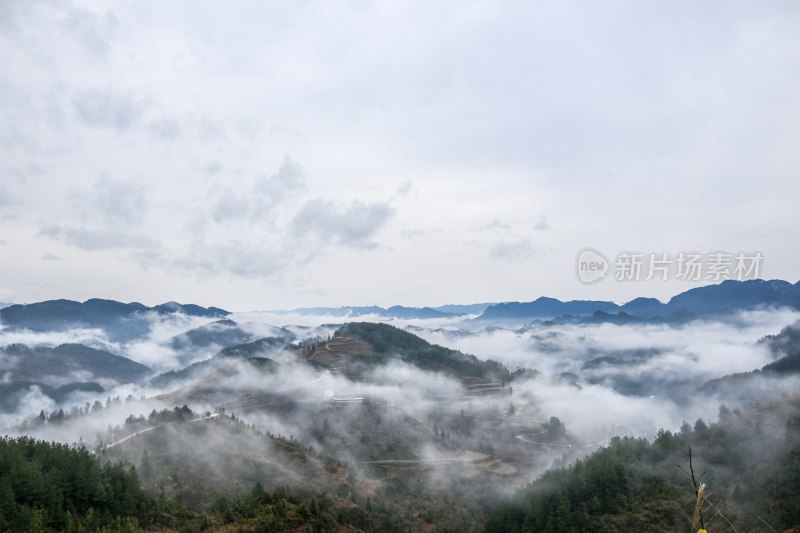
{"type": "Point", "coordinates": [388, 341]}
{"type": "Point", "coordinates": [749, 461]}
{"type": "Point", "coordinates": [52, 487]}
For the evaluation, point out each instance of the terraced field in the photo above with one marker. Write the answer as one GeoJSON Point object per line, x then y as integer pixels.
{"type": "Point", "coordinates": [335, 352]}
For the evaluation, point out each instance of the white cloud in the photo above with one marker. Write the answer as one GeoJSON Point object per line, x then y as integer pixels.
{"type": "Point", "coordinates": [108, 108]}
{"type": "Point", "coordinates": [112, 202]}
{"type": "Point", "coordinates": [592, 114]}
{"type": "Point", "coordinates": [258, 201]}
{"type": "Point", "coordinates": [517, 249]}
{"type": "Point", "coordinates": [98, 240]}
{"type": "Point", "coordinates": [355, 225]}
{"type": "Point", "coordinates": [166, 129]}
{"type": "Point", "coordinates": [94, 31]}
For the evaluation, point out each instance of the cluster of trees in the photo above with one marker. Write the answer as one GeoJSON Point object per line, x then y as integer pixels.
{"type": "Point", "coordinates": [388, 340]}
{"type": "Point", "coordinates": [785, 346]}
{"type": "Point", "coordinates": [308, 346]}
{"type": "Point", "coordinates": [441, 434]}
{"type": "Point", "coordinates": [751, 464]}
{"type": "Point", "coordinates": [53, 487]}
{"type": "Point", "coordinates": [555, 428]}
{"type": "Point", "coordinates": [253, 349]}
{"type": "Point", "coordinates": [282, 510]}
{"type": "Point", "coordinates": [164, 416]}
{"type": "Point", "coordinates": [12, 392]}
{"type": "Point", "coordinates": [522, 374]}
{"type": "Point", "coordinates": [786, 342]}
{"type": "Point", "coordinates": [76, 411]}
{"type": "Point", "coordinates": [788, 364]}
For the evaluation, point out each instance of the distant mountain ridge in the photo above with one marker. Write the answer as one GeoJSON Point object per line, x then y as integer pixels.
{"type": "Point", "coordinates": [464, 309]}
{"type": "Point", "coordinates": [396, 311]}
{"type": "Point", "coordinates": [34, 363]}
{"type": "Point", "coordinates": [723, 298]}
{"type": "Point", "coordinates": [122, 320]}
{"type": "Point", "coordinates": [59, 371]}
{"type": "Point", "coordinates": [98, 306]}
{"type": "Point", "coordinates": [544, 307]}
{"type": "Point", "coordinates": [12, 393]}
{"type": "Point", "coordinates": [726, 297]}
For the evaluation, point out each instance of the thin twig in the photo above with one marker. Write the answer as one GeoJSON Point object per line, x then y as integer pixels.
{"type": "Point", "coordinates": [682, 511]}
{"type": "Point", "coordinates": [763, 521]}
{"type": "Point", "coordinates": [725, 504]}
{"type": "Point", "coordinates": [697, 492]}
{"type": "Point", "coordinates": [723, 516]}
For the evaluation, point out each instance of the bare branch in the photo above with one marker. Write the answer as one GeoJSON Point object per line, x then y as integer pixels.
{"type": "Point", "coordinates": [719, 512]}
{"type": "Point", "coordinates": [724, 505]}
{"type": "Point", "coordinates": [762, 521]}
{"type": "Point", "coordinates": [698, 492]}
{"type": "Point", "coordinates": [680, 508]}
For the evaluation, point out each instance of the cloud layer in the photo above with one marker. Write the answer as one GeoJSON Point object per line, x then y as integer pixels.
{"type": "Point", "coordinates": [232, 156]}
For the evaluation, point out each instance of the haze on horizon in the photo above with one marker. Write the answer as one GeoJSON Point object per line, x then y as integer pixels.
{"type": "Point", "coordinates": [273, 155]}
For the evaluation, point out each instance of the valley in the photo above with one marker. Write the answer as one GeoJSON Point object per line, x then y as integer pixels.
{"type": "Point", "coordinates": [390, 424]}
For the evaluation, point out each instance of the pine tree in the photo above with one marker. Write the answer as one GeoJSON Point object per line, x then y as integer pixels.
{"type": "Point", "coordinates": [145, 466]}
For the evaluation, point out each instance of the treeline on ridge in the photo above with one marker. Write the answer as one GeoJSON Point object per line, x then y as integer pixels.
{"type": "Point", "coordinates": [750, 461]}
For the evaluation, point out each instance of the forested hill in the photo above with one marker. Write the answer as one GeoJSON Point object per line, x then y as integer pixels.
{"type": "Point", "coordinates": [53, 487]}
{"type": "Point", "coordinates": [121, 322]}
{"type": "Point", "coordinates": [785, 346]}
{"type": "Point", "coordinates": [750, 462]}
{"type": "Point", "coordinates": [388, 341]}
{"type": "Point", "coordinates": [205, 484]}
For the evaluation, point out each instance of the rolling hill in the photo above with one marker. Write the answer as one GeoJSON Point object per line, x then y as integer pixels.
{"type": "Point", "coordinates": [120, 321]}
{"type": "Point", "coordinates": [711, 300]}
{"type": "Point", "coordinates": [749, 461]}
{"type": "Point", "coordinates": [780, 376]}
{"type": "Point", "coordinates": [359, 345]}
{"type": "Point", "coordinates": [258, 348]}
{"type": "Point", "coordinates": [21, 362]}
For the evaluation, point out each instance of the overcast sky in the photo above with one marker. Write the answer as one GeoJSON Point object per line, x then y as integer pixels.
{"type": "Point", "coordinates": [262, 154]}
